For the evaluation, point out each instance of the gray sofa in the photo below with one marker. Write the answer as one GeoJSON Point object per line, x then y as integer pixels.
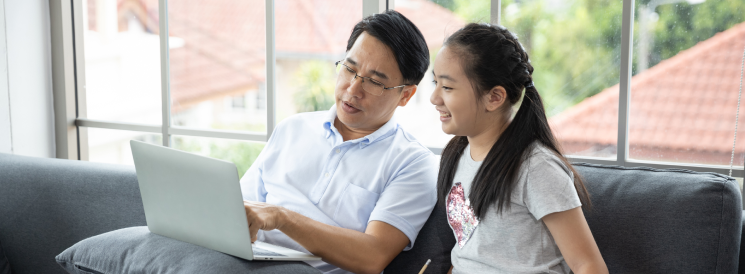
{"type": "Point", "coordinates": [644, 220]}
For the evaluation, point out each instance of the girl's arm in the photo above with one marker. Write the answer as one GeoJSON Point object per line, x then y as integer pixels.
{"type": "Point", "coordinates": [574, 239]}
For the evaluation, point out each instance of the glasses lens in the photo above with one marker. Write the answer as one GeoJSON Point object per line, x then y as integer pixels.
{"type": "Point", "coordinates": [344, 72]}
{"type": "Point", "coordinates": [372, 88]}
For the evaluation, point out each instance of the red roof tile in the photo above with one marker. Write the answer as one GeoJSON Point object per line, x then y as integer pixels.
{"type": "Point", "coordinates": [685, 103]}
{"type": "Point", "coordinates": [224, 39]}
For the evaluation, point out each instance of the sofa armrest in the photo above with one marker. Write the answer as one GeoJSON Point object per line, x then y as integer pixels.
{"type": "Point", "coordinates": [47, 205]}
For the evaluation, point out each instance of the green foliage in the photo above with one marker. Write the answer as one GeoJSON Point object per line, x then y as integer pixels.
{"type": "Point", "coordinates": [243, 154]}
{"type": "Point", "coordinates": [681, 26]}
{"type": "Point", "coordinates": [316, 81]}
{"type": "Point", "coordinates": [472, 10]}
{"type": "Point", "coordinates": [575, 45]}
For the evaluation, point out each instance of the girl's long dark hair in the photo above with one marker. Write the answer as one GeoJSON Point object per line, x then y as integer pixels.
{"type": "Point", "coordinates": [491, 56]}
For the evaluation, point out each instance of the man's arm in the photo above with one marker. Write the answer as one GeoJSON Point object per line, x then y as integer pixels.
{"type": "Point", "coordinates": [400, 211]}
{"type": "Point", "coordinates": [368, 252]}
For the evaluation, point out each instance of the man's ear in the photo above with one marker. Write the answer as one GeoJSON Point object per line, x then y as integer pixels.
{"type": "Point", "coordinates": [407, 94]}
{"type": "Point", "coordinates": [496, 97]}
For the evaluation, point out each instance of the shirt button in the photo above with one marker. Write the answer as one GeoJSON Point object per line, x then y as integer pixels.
{"type": "Point", "coordinates": [338, 150]}
{"type": "Point", "coordinates": [327, 174]}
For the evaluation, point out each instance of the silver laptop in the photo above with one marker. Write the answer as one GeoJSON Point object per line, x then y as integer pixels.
{"type": "Point", "coordinates": [198, 200]}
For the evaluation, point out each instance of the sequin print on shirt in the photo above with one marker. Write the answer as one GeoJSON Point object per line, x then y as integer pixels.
{"type": "Point", "coordinates": [460, 214]}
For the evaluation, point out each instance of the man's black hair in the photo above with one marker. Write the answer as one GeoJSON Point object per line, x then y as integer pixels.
{"type": "Point", "coordinates": [402, 37]}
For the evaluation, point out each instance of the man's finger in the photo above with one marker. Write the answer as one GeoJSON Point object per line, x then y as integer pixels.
{"type": "Point", "coordinates": [253, 227]}
{"type": "Point", "coordinates": [253, 230]}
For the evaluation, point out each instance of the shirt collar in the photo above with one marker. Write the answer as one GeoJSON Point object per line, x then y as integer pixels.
{"type": "Point", "coordinates": [328, 124]}
{"type": "Point", "coordinates": [382, 132]}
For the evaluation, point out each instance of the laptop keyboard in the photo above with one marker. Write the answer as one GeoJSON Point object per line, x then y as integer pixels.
{"type": "Point", "coordinates": [264, 252]}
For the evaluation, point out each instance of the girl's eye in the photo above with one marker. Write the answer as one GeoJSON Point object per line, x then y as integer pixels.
{"type": "Point", "coordinates": [446, 88]}
{"type": "Point", "coordinates": [435, 82]}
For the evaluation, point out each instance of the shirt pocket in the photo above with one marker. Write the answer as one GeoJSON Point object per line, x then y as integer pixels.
{"type": "Point", "coordinates": [355, 208]}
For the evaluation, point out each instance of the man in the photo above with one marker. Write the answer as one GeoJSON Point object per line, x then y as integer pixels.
{"type": "Point", "coordinates": [350, 185]}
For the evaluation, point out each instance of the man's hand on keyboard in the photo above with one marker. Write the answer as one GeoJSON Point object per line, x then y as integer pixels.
{"type": "Point", "coordinates": [263, 216]}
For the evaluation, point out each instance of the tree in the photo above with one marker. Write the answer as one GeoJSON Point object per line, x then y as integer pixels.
{"type": "Point", "coordinates": [241, 153]}
{"type": "Point", "coordinates": [682, 25]}
{"type": "Point", "coordinates": [316, 82]}
{"type": "Point", "coordinates": [575, 45]}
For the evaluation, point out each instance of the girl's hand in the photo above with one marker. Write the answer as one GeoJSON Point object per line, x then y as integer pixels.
{"type": "Point", "coordinates": [574, 239]}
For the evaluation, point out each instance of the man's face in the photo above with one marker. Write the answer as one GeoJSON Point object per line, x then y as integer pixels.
{"type": "Point", "coordinates": [361, 110]}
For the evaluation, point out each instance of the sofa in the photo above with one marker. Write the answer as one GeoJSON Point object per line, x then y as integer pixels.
{"type": "Point", "coordinates": [644, 220]}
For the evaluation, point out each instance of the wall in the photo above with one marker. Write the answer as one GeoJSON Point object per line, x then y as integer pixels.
{"type": "Point", "coordinates": [26, 79]}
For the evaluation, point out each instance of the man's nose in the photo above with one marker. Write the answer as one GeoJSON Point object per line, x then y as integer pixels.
{"type": "Point", "coordinates": [355, 87]}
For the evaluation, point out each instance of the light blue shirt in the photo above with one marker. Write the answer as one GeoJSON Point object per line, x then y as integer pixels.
{"type": "Point", "coordinates": [306, 167]}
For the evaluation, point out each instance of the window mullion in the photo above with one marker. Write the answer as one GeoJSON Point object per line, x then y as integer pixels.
{"type": "Point", "coordinates": [496, 11]}
{"type": "Point", "coordinates": [80, 19]}
{"type": "Point", "coordinates": [271, 62]}
{"type": "Point", "coordinates": [370, 7]}
{"type": "Point", "coordinates": [164, 71]}
{"type": "Point", "coordinates": [624, 89]}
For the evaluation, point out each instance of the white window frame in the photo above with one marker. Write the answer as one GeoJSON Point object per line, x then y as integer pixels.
{"type": "Point", "coordinates": [71, 120]}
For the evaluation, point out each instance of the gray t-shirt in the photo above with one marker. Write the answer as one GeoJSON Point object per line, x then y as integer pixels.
{"type": "Point", "coordinates": [517, 241]}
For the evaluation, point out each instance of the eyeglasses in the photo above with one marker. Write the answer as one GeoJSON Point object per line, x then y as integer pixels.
{"type": "Point", "coordinates": [369, 85]}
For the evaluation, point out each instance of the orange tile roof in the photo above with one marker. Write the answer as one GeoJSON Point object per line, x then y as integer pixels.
{"type": "Point", "coordinates": [224, 39]}
{"type": "Point", "coordinates": [685, 103]}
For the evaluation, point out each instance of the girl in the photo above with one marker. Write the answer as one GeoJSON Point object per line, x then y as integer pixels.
{"type": "Point", "coordinates": [513, 201]}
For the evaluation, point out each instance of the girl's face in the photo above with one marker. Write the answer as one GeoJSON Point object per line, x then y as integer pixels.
{"type": "Point", "coordinates": [461, 113]}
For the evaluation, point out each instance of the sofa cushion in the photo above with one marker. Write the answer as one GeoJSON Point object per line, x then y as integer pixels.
{"type": "Point", "coordinates": [4, 264]}
{"type": "Point", "coordinates": [741, 266]}
{"type": "Point", "coordinates": [136, 250]}
{"type": "Point", "coordinates": [435, 241]}
{"type": "Point", "coordinates": [47, 205]}
{"type": "Point", "coordinates": [649, 220]}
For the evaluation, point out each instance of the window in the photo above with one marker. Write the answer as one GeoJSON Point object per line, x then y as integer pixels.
{"type": "Point", "coordinates": [238, 102]}
{"type": "Point", "coordinates": [436, 20]}
{"type": "Point", "coordinates": [311, 37]}
{"type": "Point", "coordinates": [574, 47]}
{"type": "Point", "coordinates": [685, 84]}
{"type": "Point", "coordinates": [634, 83]}
{"type": "Point", "coordinates": [222, 58]}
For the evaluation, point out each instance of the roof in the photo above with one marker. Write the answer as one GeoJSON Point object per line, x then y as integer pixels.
{"type": "Point", "coordinates": [685, 103]}
{"type": "Point", "coordinates": [224, 39]}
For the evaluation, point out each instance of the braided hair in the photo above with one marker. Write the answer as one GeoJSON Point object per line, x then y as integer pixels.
{"type": "Point", "coordinates": [492, 56]}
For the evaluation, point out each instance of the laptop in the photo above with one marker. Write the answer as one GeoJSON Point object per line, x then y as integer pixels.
{"type": "Point", "coordinates": [198, 200]}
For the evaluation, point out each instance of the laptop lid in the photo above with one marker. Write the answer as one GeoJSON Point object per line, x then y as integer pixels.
{"type": "Point", "coordinates": [192, 198]}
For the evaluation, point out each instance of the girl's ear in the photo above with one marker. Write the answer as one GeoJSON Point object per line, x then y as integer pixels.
{"type": "Point", "coordinates": [496, 97]}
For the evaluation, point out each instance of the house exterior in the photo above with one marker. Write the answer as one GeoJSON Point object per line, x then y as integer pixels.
{"type": "Point", "coordinates": [682, 110]}
{"type": "Point", "coordinates": [217, 77]}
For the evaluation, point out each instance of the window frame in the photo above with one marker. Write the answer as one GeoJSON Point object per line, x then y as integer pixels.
{"type": "Point", "coordinates": [68, 70]}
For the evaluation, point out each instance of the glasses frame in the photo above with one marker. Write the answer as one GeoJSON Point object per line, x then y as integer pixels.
{"type": "Point", "coordinates": [338, 72]}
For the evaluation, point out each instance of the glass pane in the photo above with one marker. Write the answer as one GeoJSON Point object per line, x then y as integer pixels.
{"type": "Point", "coordinates": [687, 57]}
{"type": "Point", "coordinates": [122, 61]}
{"type": "Point", "coordinates": [241, 153]}
{"type": "Point", "coordinates": [311, 36]}
{"type": "Point", "coordinates": [217, 68]}
{"type": "Point", "coordinates": [436, 20]}
{"type": "Point", "coordinates": [112, 146]}
{"type": "Point", "coordinates": [574, 47]}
